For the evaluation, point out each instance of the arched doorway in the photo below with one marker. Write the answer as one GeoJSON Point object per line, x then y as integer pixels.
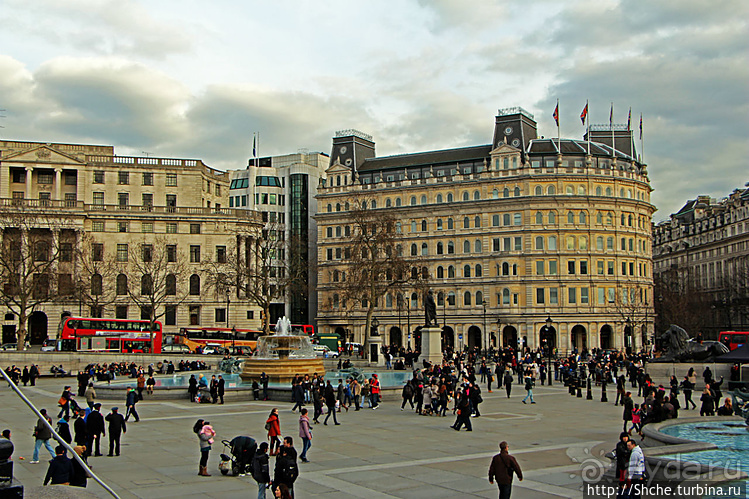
{"type": "Point", "coordinates": [579, 338]}
{"type": "Point", "coordinates": [37, 328]}
{"type": "Point", "coordinates": [474, 337]}
{"type": "Point", "coordinates": [548, 337]}
{"type": "Point", "coordinates": [396, 337]}
{"type": "Point", "coordinates": [628, 338]}
{"type": "Point", "coordinates": [448, 338]}
{"type": "Point", "coordinates": [510, 337]}
{"type": "Point", "coordinates": [606, 336]}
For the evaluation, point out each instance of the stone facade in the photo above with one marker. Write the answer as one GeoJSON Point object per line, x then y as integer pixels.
{"type": "Point", "coordinates": [125, 202]}
{"type": "Point", "coordinates": [512, 233]}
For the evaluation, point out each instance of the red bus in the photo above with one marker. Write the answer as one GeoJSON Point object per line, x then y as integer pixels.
{"type": "Point", "coordinates": [114, 335]}
{"type": "Point", "coordinates": [232, 339]}
{"type": "Point", "coordinates": [733, 339]}
{"type": "Point", "coordinates": [308, 329]}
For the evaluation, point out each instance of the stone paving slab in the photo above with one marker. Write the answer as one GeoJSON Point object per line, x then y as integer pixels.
{"type": "Point", "coordinates": [385, 453]}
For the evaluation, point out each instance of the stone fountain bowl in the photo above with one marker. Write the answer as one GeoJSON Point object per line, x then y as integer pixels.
{"type": "Point", "coordinates": [282, 357]}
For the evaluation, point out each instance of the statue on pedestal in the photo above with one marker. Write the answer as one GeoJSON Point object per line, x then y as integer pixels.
{"type": "Point", "coordinates": [430, 309]}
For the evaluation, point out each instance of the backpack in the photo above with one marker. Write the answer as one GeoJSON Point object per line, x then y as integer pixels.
{"type": "Point", "coordinates": [291, 470]}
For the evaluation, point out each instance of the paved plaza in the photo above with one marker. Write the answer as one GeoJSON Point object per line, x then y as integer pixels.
{"type": "Point", "coordinates": [373, 454]}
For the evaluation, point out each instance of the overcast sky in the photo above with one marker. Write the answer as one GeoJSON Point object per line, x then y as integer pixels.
{"type": "Point", "coordinates": [195, 79]}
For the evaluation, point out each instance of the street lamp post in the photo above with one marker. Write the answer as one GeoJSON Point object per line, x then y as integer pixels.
{"type": "Point", "coordinates": [549, 374]}
{"type": "Point", "coordinates": [408, 319]}
{"type": "Point", "coordinates": [499, 331]}
{"type": "Point", "coordinates": [486, 347]}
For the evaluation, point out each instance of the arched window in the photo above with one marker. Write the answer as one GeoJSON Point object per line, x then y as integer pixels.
{"type": "Point", "coordinates": [338, 207]}
{"type": "Point", "coordinates": [621, 193]}
{"type": "Point", "coordinates": [495, 194]}
{"type": "Point", "coordinates": [336, 300]}
{"type": "Point", "coordinates": [467, 298]}
{"type": "Point", "coordinates": [121, 284]}
{"type": "Point", "coordinates": [398, 228]}
{"type": "Point", "coordinates": [466, 223]}
{"type": "Point", "coordinates": [440, 248]}
{"type": "Point", "coordinates": [622, 220]}
{"type": "Point", "coordinates": [570, 242]}
{"type": "Point", "coordinates": [552, 242]}
{"type": "Point", "coordinates": [330, 208]}
{"type": "Point", "coordinates": [414, 301]}
{"type": "Point", "coordinates": [414, 273]}
{"type": "Point", "coordinates": [629, 220]}
{"type": "Point", "coordinates": [479, 298]}
{"type": "Point", "coordinates": [423, 199]}
{"type": "Point", "coordinates": [450, 224]}
{"type": "Point", "coordinates": [466, 197]}
{"type": "Point", "coordinates": [582, 243]}
{"type": "Point", "coordinates": [450, 248]}
{"type": "Point", "coordinates": [610, 243]}
{"type": "Point", "coordinates": [583, 218]}
{"type": "Point", "coordinates": [539, 218]}
{"type": "Point", "coordinates": [439, 198]}
{"type": "Point", "coordinates": [599, 243]}
{"type": "Point", "coordinates": [477, 221]}
{"type": "Point", "coordinates": [551, 190]}
{"type": "Point", "coordinates": [581, 190]}
{"type": "Point", "coordinates": [505, 163]}
{"type": "Point", "coordinates": [423, 226]}
{"type": "Point", "coordinates": [389, 300]}
{"type": "Point", "coordinates": [413, 201]}
{"type": "Point", "coordinates": [388, 203]}
{"type": "Point", "coordinates": [424, 250]}
{"type": "Point", "coordinates": [610, 219]}
{"type": "Point", "coordinates": [506, 193]}
{"type": "Point", "coordinates": [346, 206]}
{"type": "Point", "coordinates": [449, 197]}
{"type": "Point", "coordinates": [195, 284]}
{"type": "Point", "coordinates": [374, 204]}
{"type": "Point", "coordinates": [338, 231]}
{"type": "Point", "coordinates": [505, 296]}
{"type": "Point", "coordinates": [451, 298]}
{"type": "Point", "coordinates": [451, 272]}
{"type": "Point", "coordinates": [506, 219]}
{"type": "Point", "coordinates": [539, 242]}
{"type": "Point", "coordinates": [552, 218]}
{"type": "Point", "coordinates": [439, 224]}
{"type": "Point", "coordinates": [569, 190]}
{"type": "Point", "coordinates": [441, 299]}
{"type": "Point", "coordinates": [466, 271]}
{"type": "Point", "coordinates": [608, 191]}
{"type": "Point", "coordinates": [171, 284]}
{"type": "Point", "coordinates": [440, 272]}
{"type": "Point", "coordinates": [466, 247]}
{"type": "Point", "coordinates": [96, 284]}
{"type": "Point", "coordinates": [538, 191]}
{"type": "Point", "coordinates": [414, 250]}
{"type": "Point", "coordinates": [476, 195]}
{"type": "Point", "coordinates": [146, 284]}
{"type": "Point", "coordinates": [397, 202]}
{"type": "Point", "coordinates": [479, 270]}
{"type": "Point", "coordinates": [570, 218]}
{"type": "Point", "coordinates": [477, 246]}
{"type": "Point", "coordinates": [517, 192]}
{"type": "Point", "coordinates": [495, 220]}
{"type": "Point", "coordinates": [599, 191]}
{"type": "Point", "coordinates": [505, 268]}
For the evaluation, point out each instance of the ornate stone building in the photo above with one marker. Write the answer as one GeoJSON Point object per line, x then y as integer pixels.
{"type": "Point", "coordinates": [706, 246]}
{"type": "Point", "coordinates": [125, 207]}
{"type": "Point", "coordinates": [511, 233]}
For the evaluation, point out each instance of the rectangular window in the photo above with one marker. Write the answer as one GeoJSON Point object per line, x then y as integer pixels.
{"type": "Point", "coordinates": [330, 253]}
{"type": "Point", "coordinates": [171, 180]}
{"type": "Point", "coordinates": [97, 226]}
{"type": "Point", "coordinates": [194, 315]}
{"type": "Point", "coordinates": [221, 254]}
{"type": "Point", "coordinates": [612, 295]}
{"type": "Point", "coordinates": [98, 198]}
{"type": "Point", "coordinates": [194, 228]}
{"type": "Point", "coordinates": [122, 252]}
{"type": "Point", "coordinates": [584, 296]}
{"type": "Point", "coordinates": [553, 267]}
{"type": "Point", "coordinates": [194, 253]}
{"type": "Point", "coordinates": [244, 200]}
{"type": "Point", "coordinates": [97, 252]}
{"type": "Point", "coordinates": [66, 252]}
{"type": "Point", "coordinates": [147, 200]}
{"type": "Point", "coordinates": [218, 190]}
{"type": "Point", "coordinates": [147, 178]}
{"type": "Point", "coordinates": [123, 178]}
{"type": "Point", "coordinates": [123, 199]}
{"type": "Point", "coordinates": [44, 198]}
{"type": "Point", "coordinates": [553, 296]}
{"type": "Point", "coordinates": [250, 314]}
{"type": "Point", "coordinates": [584, 267]}
{"type": "Point", "coordinates": [171, 228]}
{"type": "Point", "coordinates": [601, 296]}
{"type": "Point", "coordinates": [572, 295]}
{"type": "Point", "coordinates": [170, 315]}
{"type": "Point", "coordinates": [539, 267]}
{"type": "Point", "coordinates": [272, 199]}
{"type": "Point", "coordinates": [632, 268]}
{"type": "Point", "coordinates": [610, 269]}
{"type": "Point", "coordinates": [220, 315]}
{"type": "Point", "coordinates": [171, 253]}
{"type": "Point", "coordinates": [517, 219]}
{"type": "Point", "coordinates": [46, 178]}
{"type": "Point", "coordinates": [495, 244]}
{"type": "Point", "coordinates": [571, 267]}
{"type": "Point", "coordinates": [518, 243]}
{"type": "Point", "coordinates": [99, 177]}
{"type": "Point", "coordinates": [624, 268]}
{"type": "Point", "coordinates": [71, 199]}
{"type": "Point", "coordinates": [71, 178]}
{"type": "Point", "coordinates": [146, 227]}
{"type": "Point", "coordinates": [540, 296]}
{"type": "Point", "coordinates": [599, 266]}
{"type": "Point", "coordinates": [231, 201]}
{"type": "Point", "coordinates": [147, 252]}
{"type": "Point", "coordinates": [120, 312]}
{"type": "Point", "coordinates": [122, 226]}
{"type": "Point", "coordinates": [507, 243]}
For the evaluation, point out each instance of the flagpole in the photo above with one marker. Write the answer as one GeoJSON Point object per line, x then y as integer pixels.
{"type": "Point", "coordinates": [611, 127]}
{"type": "Point", "coordinates": [642, 144]}
{"type": "Point", "coordinates": [559, 135]}
{"type": "Point", "coordinates": [587, 121]}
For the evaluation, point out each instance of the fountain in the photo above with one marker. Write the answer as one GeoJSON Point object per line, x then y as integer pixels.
{"type": "Point", "coordinates": [282, 356]}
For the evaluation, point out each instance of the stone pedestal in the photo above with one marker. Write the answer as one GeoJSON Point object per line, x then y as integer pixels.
{"type": "Point", "coordinates": [431, 345]}
{"type": "Point", "coordinates": [375, 351]}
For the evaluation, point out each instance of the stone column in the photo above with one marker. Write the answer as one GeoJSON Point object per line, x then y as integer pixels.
{"type": "Point", "coordinates": [431, 345]}
{"type": "Point", "coordinates": [58, 183]}
{"type": "Point", "coordinates": [29, 171]}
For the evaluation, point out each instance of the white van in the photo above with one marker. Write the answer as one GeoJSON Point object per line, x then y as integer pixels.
{"type": "Point", "coordinates": [324, 351]}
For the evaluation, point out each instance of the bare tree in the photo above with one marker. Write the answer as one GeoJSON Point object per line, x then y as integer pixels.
{"type": "Point", "coordinates": [96, 274]}
{"type": "Point", "coordinates": [374, 260]}
{"type": "Point", "coordinates": [678, 300]}
{"type": "Point", "coordinates": [155, 277]}
{"type": "Point", "coordinates": [35, 246]}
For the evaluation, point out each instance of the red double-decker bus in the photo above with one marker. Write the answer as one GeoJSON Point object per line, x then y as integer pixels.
{"type": "Point", "coordinates": [733, 339]}
{"type": "Point", "coordinates": [307, 329]}
{"type": "Point", "coordinates": [111, 335]}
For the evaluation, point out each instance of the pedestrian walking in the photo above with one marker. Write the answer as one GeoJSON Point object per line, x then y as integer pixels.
{"type": "Point", "coordinates": [356, 392]}
{"type": "Point", "coordinates": [95, 430]}
{"type": "Point", "coordinates": [502, 468]}
{"type": "Point", "coordinates": [60, 468]}
{"type": "Point", "coordinates": [408, 394]}
{"type": "Point", "coordinates": [464, 412]}
{"type": "Point", "coordinates": [42, 435]}
{"type": "Point", "coordinates": [90, 395]}
{"type": "Point", "coordinates": [117, 426]}
{"type": "Point", "coordinates": [273, 425]}
{"type": "Point", "coordinates": [629, 406]}
{"type": "Point", "coordinates": [33, 374]}
{"type": "Point", "coordinates": [330, 403]}
{"type": "Point", "coordinates": [529, 389]}
{"type": "Point", "coordinates": [622, 459]}
{"type": "Point", "coordinates": [131, 400]}
{"type": "Point", "coordinates": [635, 470]}
{"type": "Point", "coordinates": [375, 387]}
{"type": "Point", "coordinates": [297, 395]}
{"type": "Point", "coordinates": [64, 403]}
{"type": "Point", "coordinates": [261, 469]}
{"type": "Point", "coordinates": [205, 439]}
{"type": "Point", "coordinates": [687, 386]}
{"type": "Point", "coordinates": [221, 388]}
{"type": "Point", "coordinates": [286, 471]}
{"type": "Point", "coordinates": [508, 380]}
{"type": "Point", "coordinates": [305, 433]}
{"type": "Point", "coordinates": [141, 383]}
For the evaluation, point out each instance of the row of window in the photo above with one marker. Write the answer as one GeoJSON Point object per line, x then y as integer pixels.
{"type": "Point", "coordinates": [123, 178]}
{"type": "Point", "coordinates": [170, 314]}
{"type": "Point", "coordinates": [45, 177]}
{"type": "Point", "coordinates": [123, 199]}
{"type": "Point", "coordinates": [147, 252]}
{"type": "Point", "coordinates": [269, 198]}
{"type": "Point", "coordinates": [146, 227]}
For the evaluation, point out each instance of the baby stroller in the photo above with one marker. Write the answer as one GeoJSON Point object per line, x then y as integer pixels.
{"type": "Point", "coordinates": [242, 450]}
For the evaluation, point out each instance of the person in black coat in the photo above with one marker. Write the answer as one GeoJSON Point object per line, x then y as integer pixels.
{"type": "Point", "coordinates": [464, 412]}
{"type": "Point", "coordinates": [117, 426]}
{"type": "Point", "coordinates": [622, 458]}
{"type": "Point", "coordinates": [261, 467]}
{"type": "Point", "coordinates": [33, 374]}
{"type": "Point", "coordinates": [80, 475]}
{"type": "Point", "coordinates": [286, 470]}
{"type": "Point", "coordinates": [60, 468]}
{"type": "Point", "coordinates": [221, 388]}
{"type": "Point", "coordinates": [81, 431]}
{"type": "Point", "coordinates": [330, 403]}
{"type": "Point", "coordinates": [132, 399]}
{"type": "Point", "coordinates": [192, 388]}
{"type": "Point", "coordinates": [95, 430]}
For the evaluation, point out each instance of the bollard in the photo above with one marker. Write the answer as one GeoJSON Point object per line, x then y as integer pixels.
{"type": "Point", "coordinates": [604, 398]}
{"type": "Point", "coordinates": [580, 389]}
{"type": "Point", "coordinates": [589, 396]}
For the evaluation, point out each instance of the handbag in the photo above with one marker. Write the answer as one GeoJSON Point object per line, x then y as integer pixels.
{"type": "Point", "coordinates": [267, 426]}
{"type": "Point", "coordinates": [62, 401]}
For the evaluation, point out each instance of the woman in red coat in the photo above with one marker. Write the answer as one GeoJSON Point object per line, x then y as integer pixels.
{"type": "Point", "coordinates": [273, 425]}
